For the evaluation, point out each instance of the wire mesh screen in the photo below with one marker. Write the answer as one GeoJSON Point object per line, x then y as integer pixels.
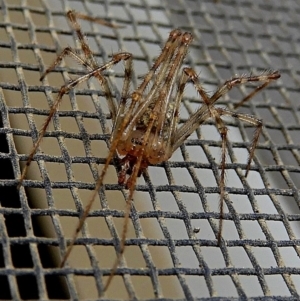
{"type": "Point", "coordinates": [171, 246]}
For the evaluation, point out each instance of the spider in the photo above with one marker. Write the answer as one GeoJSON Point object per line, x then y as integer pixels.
{"type": "Point", "coordinates": [145, 122]}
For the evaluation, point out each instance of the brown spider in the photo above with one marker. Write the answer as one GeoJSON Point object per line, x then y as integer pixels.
{"type": "Point", "coordinates": [145, 130]}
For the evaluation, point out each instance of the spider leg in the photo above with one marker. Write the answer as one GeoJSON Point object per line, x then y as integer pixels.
{"type": "Point", "coordinates": [251, 120]}
{"type": "Point", "coordinates": [94, 20]}
{"type": "Point", "coordinates": [223, 131]}
{"type": "Point", "coordinates": [208, 110]}
{"type": "Point", "coordinates": [88, 61]}
{"type": "Point", "coordinates": [163, 60]}
{"type": "Point", "coordinates": [66, 88]}
{"type": "Point", "coordinates": [197, 118]}
{"type": "Point", "coordinates": [205, 112]}
{"type": "Point", "coordinates": [97, 73]}
{"type": "Point", "coordinates": [266, 77]}
{"type": "Point", "coordinates": [86, 50]}
{"type": "Point", "coordinates": [68, 51]}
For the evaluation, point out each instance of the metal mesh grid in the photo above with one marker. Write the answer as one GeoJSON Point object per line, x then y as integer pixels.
{"type": "Point", "coordinates": [166, 256]}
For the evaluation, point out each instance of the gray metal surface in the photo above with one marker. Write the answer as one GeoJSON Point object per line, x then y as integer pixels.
{"type": "Point", "coordinates": [166, 256]}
